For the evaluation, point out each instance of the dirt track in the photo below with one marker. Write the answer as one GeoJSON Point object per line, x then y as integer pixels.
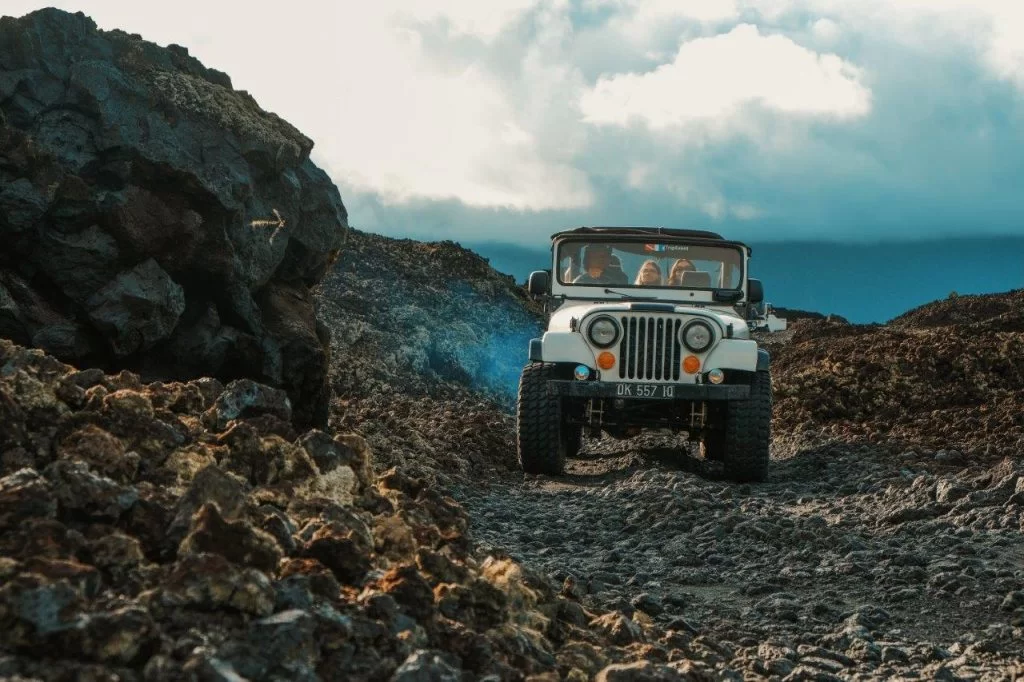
{"type": "Point", "coordinates": [850, 561]}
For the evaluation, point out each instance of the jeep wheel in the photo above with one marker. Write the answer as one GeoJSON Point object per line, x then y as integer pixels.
{"type": "Point", "coordinates": [541, 436]}
{"type": "Point", "coordinates": [748, 432]}
{"type": "Point", "coordinates": [742, 440]}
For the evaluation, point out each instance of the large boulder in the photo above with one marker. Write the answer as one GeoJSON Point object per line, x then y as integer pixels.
{"type": "Point", "coordinates": [155, 219]}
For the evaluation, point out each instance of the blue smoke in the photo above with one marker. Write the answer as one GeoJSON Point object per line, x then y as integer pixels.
{"type": "Point", "coordinates": [504, 356]}
{"type": "Point", "coordinates": [482, 340]}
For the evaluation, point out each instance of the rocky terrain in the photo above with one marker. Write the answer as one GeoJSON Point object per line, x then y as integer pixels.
{"type": "Point", "coordinates": [155, 219]}
{"type": "Point", "coordinates": [850, 563]}
{"type": "Point", "coordinates": [385, 302]}
{"type": "Point", "coordinates": [188, 531]}
{"type": "Point", "coordinates": [429, 342]}
{"type": "Point", "coordinates": [177, 531]}
{"type": "Point", "coordinates": [167, 513]}
{"type": "Point", "coordinates": [793, 314]}
{"type": "Point", "coordinates": [947, 376]}
{"type": "Point", "coordinates": [886, 543]}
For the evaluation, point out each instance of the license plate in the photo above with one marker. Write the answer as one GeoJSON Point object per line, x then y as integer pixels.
{"type": "Point", "coordinates": [645, 391]}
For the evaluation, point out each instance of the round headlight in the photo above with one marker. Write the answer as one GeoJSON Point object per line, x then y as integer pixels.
{"type": "Point", "coordinates": [698, 336]}
{"type": "Point", "coordinates": [603, 332]}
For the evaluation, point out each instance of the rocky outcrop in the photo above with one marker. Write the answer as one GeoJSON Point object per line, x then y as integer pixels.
{"type": "Point", "coordinates": [154, 218]}
{"type": "Point", "coordinates": [1001, 312]}
{"type": "Point", "coordinates": [793, 314]}
{"type": "Point", "coordinates": [428, 342]}
{"type": "Point", "coordinates": [182, 531]}
{"type": "Point", "coordinates": [425, 318]}
{"type": "Point", "coordinates": [946, 376]}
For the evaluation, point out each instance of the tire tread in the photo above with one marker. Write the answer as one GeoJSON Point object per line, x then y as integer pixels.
{"type": "Point", "coordinates": [747, 437]}
{"type": "Point", "coordinates": [539, 442]}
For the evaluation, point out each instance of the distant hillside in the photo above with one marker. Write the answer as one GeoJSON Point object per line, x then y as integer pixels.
{"type": "Point", "coordinates": [792, 314]}
{"type": "Point", "coordinates": [427, 343]}
{"type": "Point", "coordinates": [915, 382]}
{"type": "Point", "coordinates": [422, 318]}
{"type": "Point", "coordinates": [993, 313]}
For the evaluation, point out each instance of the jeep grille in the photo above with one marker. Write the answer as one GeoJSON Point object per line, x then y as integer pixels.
{"type": "Point", "coordinates": [650, 348]}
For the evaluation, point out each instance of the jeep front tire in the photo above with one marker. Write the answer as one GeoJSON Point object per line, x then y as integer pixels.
{"type": "Point", "coordinates": [743, 438]}
{"type": "Point", "coordinates": [541, 435]}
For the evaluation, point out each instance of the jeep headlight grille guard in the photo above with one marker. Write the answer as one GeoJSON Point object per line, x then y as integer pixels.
{"type": "Point", "coordinates": [603, 332]}
{"type": "Point", "coordinates": [698, 336]}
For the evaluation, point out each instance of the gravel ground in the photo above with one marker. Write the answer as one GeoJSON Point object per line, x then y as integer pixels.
{"type": "Point", "coordinates": [885, 544]}
{"type": "Point", "coordinates": [851, 561]}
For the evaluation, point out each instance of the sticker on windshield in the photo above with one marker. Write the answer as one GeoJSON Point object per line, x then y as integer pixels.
{"type": "Point", "coordinates": [661, 248]}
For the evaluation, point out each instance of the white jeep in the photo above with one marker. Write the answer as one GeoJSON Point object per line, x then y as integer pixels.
{"type": "Point", "coordinates": [649, 328]}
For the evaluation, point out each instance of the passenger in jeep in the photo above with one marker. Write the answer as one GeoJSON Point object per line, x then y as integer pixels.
{"type": "Point", "coordinates": [596, 258]}
{"type": "Point", "coordinates": [675, 274]}
{"type": "Point", "coordinates": [649, 274]}
{"type": "Point", "coordinates": [615, 272]}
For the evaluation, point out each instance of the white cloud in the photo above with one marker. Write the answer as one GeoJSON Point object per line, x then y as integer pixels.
{"type": "Point", "coordinates": [385, 115]}
{"type": "Point", "coordinates": [665, 105]}
{"type": "Point", "coordinates": [639, 175]}
{"type": "Point", "coordinates": [439, 135]}
{"type": "Point", "coordinates": [653, 29]}
{"type": "Point", "coordinates": [994, 28]}
{"type": "Point", "coordinates": [642, 16]}
{"type": "Point", "coordinates": [1006, 47]}
{"type": "Point", "coordinates": [483, 20]}
{"type": "Point", "coordinates": [825, 30]}
{"type": "Point", "coordinates": [746, 211]}
{"type": "Point", "coordinates": [712, 79]}
{"type": "Point", "coordinates": [700, 10]}
{"type": "Point", "coordinates": [418, 130]}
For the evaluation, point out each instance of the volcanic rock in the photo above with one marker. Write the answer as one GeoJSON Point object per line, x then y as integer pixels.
{"type": "Point", "coordinates": [122, 249]}
{"type": "Point", "coordinates": [215, 554]}
{"type": "Point", "coordinates": [25, 494]}
{"type": "Point", "coordinates": [193, 529]}
{"type": "Point", "coordinates": [237, 541]}
{"type": "Point", "coordinates": [427, 666]}
{"type": "Point", "coordinates": [428, 342]}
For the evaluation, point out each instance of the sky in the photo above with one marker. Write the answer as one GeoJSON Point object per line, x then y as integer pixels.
{"type": "Point", "coordinates": [506, 120]}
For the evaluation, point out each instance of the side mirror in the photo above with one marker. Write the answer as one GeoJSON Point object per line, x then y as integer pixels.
{"type": "Point", "coordinates": [755, 291]}
{"type": "Point", "coordinates": [539, 283]}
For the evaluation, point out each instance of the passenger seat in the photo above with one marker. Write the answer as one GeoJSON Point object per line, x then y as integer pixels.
{"type": "Point", "coordinates": [696, 279]}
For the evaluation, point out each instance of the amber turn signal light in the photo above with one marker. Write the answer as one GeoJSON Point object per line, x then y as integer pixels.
{"type": "Point", "coordinates": [691, 364]}
{"type": "Point", "coordinates": [606, 360]}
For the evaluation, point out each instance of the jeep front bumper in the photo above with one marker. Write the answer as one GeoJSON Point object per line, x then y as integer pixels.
{"type": "Point", "coordinates": [648, 391]}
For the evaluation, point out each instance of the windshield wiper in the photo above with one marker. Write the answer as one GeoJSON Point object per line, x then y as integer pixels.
{"type": "Point", "coordinates": [633, 297]}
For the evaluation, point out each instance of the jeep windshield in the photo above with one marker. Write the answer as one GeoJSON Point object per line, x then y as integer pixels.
{"type": "Point", "coordinates": [629, 267]}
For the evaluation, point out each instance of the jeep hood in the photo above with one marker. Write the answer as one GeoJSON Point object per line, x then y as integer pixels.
{"type": "Point", "coordinates": [561, 319]}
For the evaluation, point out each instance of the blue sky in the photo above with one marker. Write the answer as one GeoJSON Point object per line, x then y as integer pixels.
{"type": "Point", "coordinates": [767, 120]}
